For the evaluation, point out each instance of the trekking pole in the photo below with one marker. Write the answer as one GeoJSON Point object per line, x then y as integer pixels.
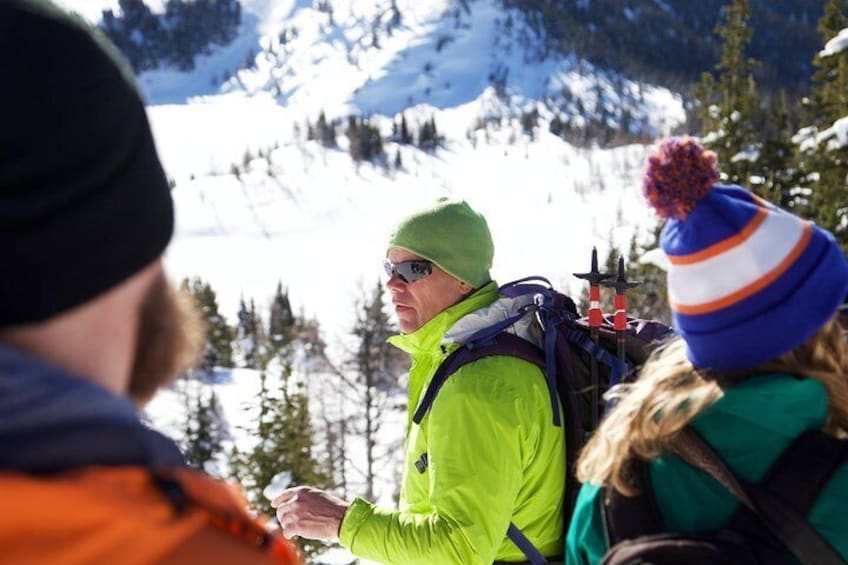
{"type": "Point", "coordinates": [595, 277]}
{"type": "Point", "coordinates": [621, 285]}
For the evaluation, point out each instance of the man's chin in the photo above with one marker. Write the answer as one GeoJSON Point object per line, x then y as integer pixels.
{"type": "Point", "coordinates": [407, 326]}
{"type": "Point", "coordinates": [170, 339]}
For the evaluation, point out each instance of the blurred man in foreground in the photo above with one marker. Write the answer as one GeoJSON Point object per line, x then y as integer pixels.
{"type": "Point", "coordinates": [89, 325]}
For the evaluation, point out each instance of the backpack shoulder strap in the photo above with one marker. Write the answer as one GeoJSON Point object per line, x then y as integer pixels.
{"type": "Point", "coordinates": [804, 468]}
{"type": "Point", "coordinates": [784, 522]}
{"type": "Point", "coordinates": [794, 483]}
{"type": "Point", "coordinates": [629, 517]}
{"type": "Point", "coordinates": [501, 344]}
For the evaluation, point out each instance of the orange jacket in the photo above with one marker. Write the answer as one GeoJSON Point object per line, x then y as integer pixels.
{"type": "Point", "coordinates": [124, 515]}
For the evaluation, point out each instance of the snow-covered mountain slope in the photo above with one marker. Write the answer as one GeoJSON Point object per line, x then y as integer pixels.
{"type": "Point", "coordinates": [257, 202]}
{"type": "Point", "coordinates": [318, 224]}
{"type": "Point", "coordinates": [316, 220]}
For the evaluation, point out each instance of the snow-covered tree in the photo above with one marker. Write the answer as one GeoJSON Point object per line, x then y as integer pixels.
{"type": "Point", "coordinates": [281, 320]}
{"type": "Point", "coordinates": [250, 335]}
{"type": "Point", "coordinates": [284, 436]}
{"type": "Point", "coordinates": [218, 350]}
{"type": "Point", "coordinates": [175, 37]}
{"type": "Point", "coordinates": [728, 102]}
{"type": "Point", "coordinates": [824, 141]}
{"type": "Point", "coordinates": [777, 173]}
{"type": "Point", "coordinates": [364, 139]}
{"type": "Point", "coordinates": [324, 131]}
{"type": "Point", "coordinates": [205, 428]}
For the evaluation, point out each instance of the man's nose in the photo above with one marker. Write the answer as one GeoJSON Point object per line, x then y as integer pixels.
{"type": "Point", "coordinates": [395, 282]}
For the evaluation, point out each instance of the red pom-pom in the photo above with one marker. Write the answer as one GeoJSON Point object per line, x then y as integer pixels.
{"type": "Point", "coordinates": [680, 173]}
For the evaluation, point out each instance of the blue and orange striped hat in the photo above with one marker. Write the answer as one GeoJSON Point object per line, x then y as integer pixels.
{"type": "Point", "coordinates": [747, 281]}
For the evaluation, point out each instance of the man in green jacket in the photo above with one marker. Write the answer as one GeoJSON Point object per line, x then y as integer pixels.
{"type": "Point", "coordinates": [487, 454]}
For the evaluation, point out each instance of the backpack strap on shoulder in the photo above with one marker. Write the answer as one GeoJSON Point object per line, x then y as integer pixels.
{"type": "Point", "coordinates": [501, 344]}
{"type": "Point", "coordinates": [805, 468]}
{"type": "Point", "coordinates": [534, 556]}
{"type": "Point", "coordinates": [785, 523]}
{"type": "Point", "coordinates": [629, 517]}
{"type": "Point", "coordinates": [794, 482]}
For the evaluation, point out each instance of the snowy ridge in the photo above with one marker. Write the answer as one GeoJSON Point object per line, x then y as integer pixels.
{"type": "Point", "coordinates": [316, 220]}
{"type": "Point", "coordinates": [383, 58]}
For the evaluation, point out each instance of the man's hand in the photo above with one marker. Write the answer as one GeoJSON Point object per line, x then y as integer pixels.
{"type": "Point", "coordinates": [310, 513]}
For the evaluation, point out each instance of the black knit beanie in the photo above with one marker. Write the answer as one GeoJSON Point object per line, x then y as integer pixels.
{"type": "Point", "coordinates": [84, 202]}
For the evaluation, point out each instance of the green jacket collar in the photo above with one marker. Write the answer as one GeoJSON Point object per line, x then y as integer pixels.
{"type": "Point", "coordinates": [774, 402]}
{"type": "Point", "coordinates": [427, 338]}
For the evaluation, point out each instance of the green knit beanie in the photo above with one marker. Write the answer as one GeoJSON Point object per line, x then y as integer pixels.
{"type": "Point", "coordinates": [451, 235]}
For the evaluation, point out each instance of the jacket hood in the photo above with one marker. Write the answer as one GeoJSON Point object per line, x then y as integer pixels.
{"type": "Point", "coordinates": [454, 325]}
{"type": "Point", "coordinates": [51, 420]}
{"type": "Point", "coordinates": [501, 309]}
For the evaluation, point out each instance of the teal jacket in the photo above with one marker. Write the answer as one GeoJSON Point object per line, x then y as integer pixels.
{"type": "Point", "coordinates": [750, 426]}
{"type": "Point", "coordinates": [493, 455]}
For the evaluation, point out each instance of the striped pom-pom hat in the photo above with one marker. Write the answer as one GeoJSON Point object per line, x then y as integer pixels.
{"type": "Point", "coordinates": [747, 281]}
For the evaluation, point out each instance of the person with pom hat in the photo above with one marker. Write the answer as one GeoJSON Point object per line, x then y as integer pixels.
{"type": "Point", "coordinates": [90, 327]}
{"type": "Point", "coordinates": [486, 454]}
{"type": "Point", "coordinates": [759, 360]}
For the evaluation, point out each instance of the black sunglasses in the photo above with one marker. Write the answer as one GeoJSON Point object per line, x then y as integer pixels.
{"type": "Point", "coordinates": [409, 271]}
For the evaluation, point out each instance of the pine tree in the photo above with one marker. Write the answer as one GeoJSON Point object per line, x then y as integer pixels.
{"type": "Point", "coordinates": [205, 428]}
{"type": "Point", "coordinates": [428, 135]}
{"type": "Point", "coordinates": [307, 331]}
{"type": "Point", "coordinates": [825, 163]}
{"type": "Point", "coordinates": [437, 137]}
{"type": "Point", "coordinates": [529, 121]}
{"type": "Point", "coordinates": [334, 432]}
{"type": "Point", "coordinates": [284, 436]}
{"type": "Point", "coordinates": [729, 106]}
{"type": "Point", "coordinates": [325, 131]}
{"type": "Point", "coordinates": [281, 320]}
{"type": "Point", "coordinates": [778, 163]}
{"type": "Point", "coordinates": [828, 98]}
{"type": "Point", "coordinates": [218, 350]}
{"type": "Point", "coordinates": [365, 141]}
{"type": "Point", "coordinates": [375, 364]}
{"type": "Point", "coordinates": [177, 36]}
{"type": "Point", "coordinates": [405, 136]}
{"type": "Point", "coordinates": [250, 336]}
{"type": "Point", "coordinates": [257, 467]}
{"type": "Point", "coordinates": [649, 300]}
{"type": "Point", "coordinates": [425, 137]}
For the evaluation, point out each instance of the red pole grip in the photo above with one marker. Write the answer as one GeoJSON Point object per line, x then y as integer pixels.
{"type": "Point", "coordinates": [620, 312]}
{"type": "Point", "coordinates": [595, 313]}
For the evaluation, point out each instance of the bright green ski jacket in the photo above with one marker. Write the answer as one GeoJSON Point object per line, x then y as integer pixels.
{"type": "Point", "coordinates": [486, 454]}
{"type": "Point", "coordinates": [749, 427]}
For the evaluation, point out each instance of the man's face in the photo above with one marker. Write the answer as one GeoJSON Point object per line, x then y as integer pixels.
{"type": "Point", "coordinates": [170, 339]}
{"type": "Point", "coordinates": [416, 303]}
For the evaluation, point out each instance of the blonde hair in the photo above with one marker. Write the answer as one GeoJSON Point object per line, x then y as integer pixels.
{"type": "Point", "coordinates": [670, 393]}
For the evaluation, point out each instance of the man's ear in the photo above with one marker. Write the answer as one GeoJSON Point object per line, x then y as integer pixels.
{"type": "Point", "coordinates": [465, 289]}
